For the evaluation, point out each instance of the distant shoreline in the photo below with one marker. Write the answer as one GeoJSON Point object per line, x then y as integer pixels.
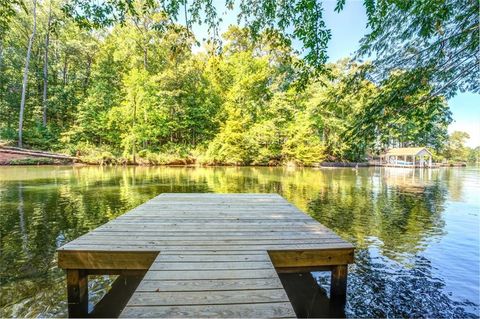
{"type": "Point", "coordinates": [11, 156]}
{"type": "Point", "coordinates": [48, 162]}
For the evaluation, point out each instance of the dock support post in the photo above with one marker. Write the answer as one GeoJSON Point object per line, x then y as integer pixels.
{"type": "Point", "coordinates": [338, 285]}
{"type": "Point", "coordinates": [77, 289]}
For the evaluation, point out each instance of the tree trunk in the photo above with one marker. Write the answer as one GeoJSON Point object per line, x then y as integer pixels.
{"type": "Point", "coordinates": [25, 74]}
{"type": "Point", "coordinates": [145, 58]}
{"type": "Point", "coordinates": [1, 54]}
{"type": "Point", "coordinates": [45, 67]}
{"type": "Point", "coordinates": [145, 44]}
{"type": "Point", "coordinates": [1, 67]}
{"type": "Point", "coordinates": [65, 66]}
{"type": "Point", "coordinates": [87, 74]}
{"type": "Point", "coordinates": [133, 127]}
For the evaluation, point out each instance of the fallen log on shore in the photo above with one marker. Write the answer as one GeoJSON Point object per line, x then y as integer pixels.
{"type": "Point", "coordinates": [35, 153]}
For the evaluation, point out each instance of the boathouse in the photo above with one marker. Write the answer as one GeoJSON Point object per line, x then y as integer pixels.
{"type": "Point", "coordinates": [407, 157]}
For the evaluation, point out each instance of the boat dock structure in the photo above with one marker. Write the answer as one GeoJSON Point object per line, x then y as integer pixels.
{"type": "Point", "coordinates": [207, 255]}
{"type": "Point", "coordinates": [409, 157]}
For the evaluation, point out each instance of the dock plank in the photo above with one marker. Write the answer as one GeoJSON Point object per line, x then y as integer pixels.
{"type": "Point", "coordinates": [213, 297]}
{"type": "Point", "coordinates": [160, 265]}
{"type": "Point", "coordinates": [210, 284]}
{"type": "Point", "coordinates": [210, 274]}
{"type": "Point", "coordinates": [261, 310]}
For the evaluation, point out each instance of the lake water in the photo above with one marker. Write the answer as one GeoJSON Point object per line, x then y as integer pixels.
{"type": "Point", "coordinates": [416, 231]}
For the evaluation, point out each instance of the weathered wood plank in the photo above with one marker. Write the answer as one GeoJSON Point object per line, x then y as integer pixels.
{"type": "Point", "coordinates": [177, 298]}
{"type": "Point", "coordinates": [202, 258]}
{"type": "Point", "coordinates": [156, 248]}
{"type": "Point", "coordinates": [209, 284]}
{"type": "Point", "coordinates": [210, 252]}
{"type": "Point", "coordinates": [314, 257]}
{"type": "Point", "coordinates": [193, 243]}
{"type": "Point", "coordinates": [160, 265]}
{"type": "Point", "coordinates": [264, 310]}
{"type": "Point", "coordinates": [213, 229]}
{"type": "Point", "coordinates": [214, 221]}
{"type": "Point", "coordinates": [105, 260]}
{"type": "Point", "coordinates": [192, 236]}
{"type": "Point", "coordinates": [210, 274]}
{"type": "Point", "coordinates": [276, 233]}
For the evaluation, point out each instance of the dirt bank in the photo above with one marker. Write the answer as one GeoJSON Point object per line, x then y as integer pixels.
{"type": "Point", "coordinates": [17, 156]}
{"type": "Point", "coordinates": [6, 158]}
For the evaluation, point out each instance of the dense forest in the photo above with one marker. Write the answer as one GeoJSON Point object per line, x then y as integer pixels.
{"type": "Point", "coordinates": [142, 91]}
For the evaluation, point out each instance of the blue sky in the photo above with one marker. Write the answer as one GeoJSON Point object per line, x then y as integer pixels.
{"type": "Point", "coordinates": [347, 28]}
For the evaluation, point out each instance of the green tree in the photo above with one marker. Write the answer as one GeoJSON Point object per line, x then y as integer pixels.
{"type": "Point", "coordinates": [303, 144]}
{"type": "Point", "coordinates": [25, 74]}
{"type": "Point", "coordinates": [138, 91]}
{"type": "Point", "coordinates": [439, 39]}
{"type": "Point", "coordinates": [420, 44]}
{"type": "Point", "coordinates": [455, 148]}
{"type": "Point", "coordinates": [436, 40]}
{"type": "Point", "coordinates": [247, 92]}
{"type": "Point", "coordinates": [334, 107]}
{"type": "Point", "coordinates": [104, 92]}
{"type": "Point", "coordinates": [474, 155]}
{"type": "Point", "coordinates": [402, 111]}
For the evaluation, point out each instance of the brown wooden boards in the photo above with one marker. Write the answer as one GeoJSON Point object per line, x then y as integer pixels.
{"type": "Point", "coordinates": [210, 285]}
{"type": "Point", "coordinates": [210, 255]}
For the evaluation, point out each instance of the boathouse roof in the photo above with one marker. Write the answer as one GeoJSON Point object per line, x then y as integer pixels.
{"type": "Point", "coordinates": [407, 151]}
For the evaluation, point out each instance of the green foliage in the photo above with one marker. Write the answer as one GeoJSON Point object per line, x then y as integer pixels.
{"type": "Point", "coordinates": [420, 46]}
{"type": "Point", "coordinates": [300, 20]}
{"type": "Point", "coordinates": [94, 154]}
{"type": "Point", "coordinates": [474, 155]}
{"type": "Point", "coordinates": [136, 93]}
{"type": "Point", "coordinates": [403, 111]}
{"type": "Point", "coordinates": [455, 149]}
{"type": "Point", "coordinates": [438, 40]}
{"type": "Point", "coordinates": [170, 155]}
{"type": "Point", "coordinates": [437, 37]}
{"type": "Point", "coordinates": [8, 11]}
{"type": "Point", "coordinates": [303, 143]}
{"type": "Point", "coordinates": [33, 161]}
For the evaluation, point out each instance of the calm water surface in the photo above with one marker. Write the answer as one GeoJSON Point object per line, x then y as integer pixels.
{"type": "Point", "coordinates": [416, 231]}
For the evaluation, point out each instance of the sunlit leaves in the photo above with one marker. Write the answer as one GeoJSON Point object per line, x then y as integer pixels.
{"type": "Point", "coordinates": [404, 110]}
{"type": "Point", "coordinates": [300, 20]}
{"type": "Point", "coordinates": [436, 38]}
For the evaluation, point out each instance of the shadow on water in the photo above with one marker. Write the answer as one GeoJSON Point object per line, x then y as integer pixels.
{"type": "Point", "coordinates": [308, 299]}
{"type": "Point", "coordinates": [112, 304]}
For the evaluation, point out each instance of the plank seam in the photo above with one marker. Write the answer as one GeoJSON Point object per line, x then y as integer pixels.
{"type": "Point", "coordinates": [216, 304]}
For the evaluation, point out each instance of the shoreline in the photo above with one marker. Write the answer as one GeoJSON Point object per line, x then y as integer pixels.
{"type": "Point", "coordinates": [11, 156]}
{"type": "Point", "coordinates": [352, 165]}
{"type": "Point", "coordinates": [18, 160]}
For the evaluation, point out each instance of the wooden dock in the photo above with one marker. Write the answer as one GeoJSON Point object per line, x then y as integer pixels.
{"type": "Point", "coordinates": [206, 255]}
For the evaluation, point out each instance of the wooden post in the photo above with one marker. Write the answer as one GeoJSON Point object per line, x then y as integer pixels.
{"type": "Point", "coordinates": [338, 285]}
{"type": "Point", "coordinates": [77, 289]}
